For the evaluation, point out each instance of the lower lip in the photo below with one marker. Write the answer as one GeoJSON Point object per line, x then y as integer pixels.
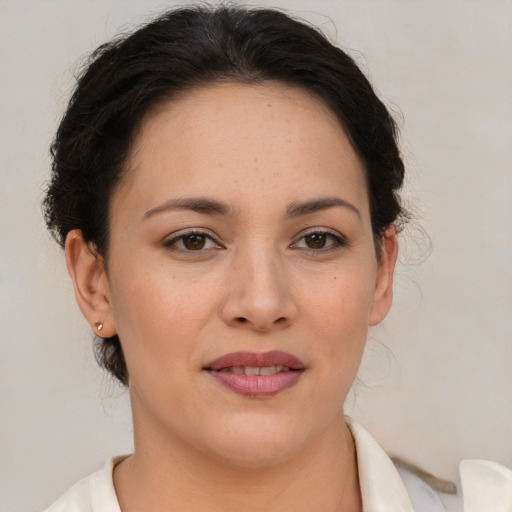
{"type": "Point", "coordinates": [257, 385]}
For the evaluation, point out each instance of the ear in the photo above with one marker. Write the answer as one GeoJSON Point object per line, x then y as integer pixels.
{"type": "Point", "coordinates": [383, 295]}
{"type": "Point", "coordinates": [87, 272]}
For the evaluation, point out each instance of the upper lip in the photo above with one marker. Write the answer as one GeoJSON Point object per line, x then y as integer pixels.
{"type": "Point", "coordinates": [255, 359]}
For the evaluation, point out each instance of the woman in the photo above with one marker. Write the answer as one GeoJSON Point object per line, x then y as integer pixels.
{"type": "Point", "coordinates": [225, 184]}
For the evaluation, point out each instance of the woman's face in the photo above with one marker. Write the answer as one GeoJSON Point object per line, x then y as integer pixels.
{"type": "Point", "coordinates": [242, 271]}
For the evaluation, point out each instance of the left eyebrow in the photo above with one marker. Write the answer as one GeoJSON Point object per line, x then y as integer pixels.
{"type": "Point", "coordinates": [202, 205]}
{"type": "Point", "coordinates": [315, 205]}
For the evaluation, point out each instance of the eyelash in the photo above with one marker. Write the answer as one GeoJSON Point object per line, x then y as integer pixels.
{"type": "Point", "coordinates": [338, 242]}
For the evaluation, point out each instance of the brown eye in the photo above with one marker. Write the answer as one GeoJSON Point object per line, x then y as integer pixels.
{"type": "Point", "coordinates": [320, 242]}
{"type": "Point", "coordinates": [191, 242]}
{"type": "Point", "coordinates": [315, 240]}
{"type": "Point", "coordinates": [194, 242]}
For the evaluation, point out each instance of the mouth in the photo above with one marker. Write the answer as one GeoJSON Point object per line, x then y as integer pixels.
{"type": "Point", "coordinates": [256, 374]}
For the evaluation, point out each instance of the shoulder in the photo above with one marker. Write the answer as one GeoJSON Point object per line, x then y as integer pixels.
{"type": "Point", "coordinates": [76, 499]}
{"type": "Point", "coordinates": [94, 493]}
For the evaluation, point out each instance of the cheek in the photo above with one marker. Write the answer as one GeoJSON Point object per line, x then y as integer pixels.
{"type": "Point", "coordinates": [158, 317]}
{"type": "Point", "coordinates": [339, 315]}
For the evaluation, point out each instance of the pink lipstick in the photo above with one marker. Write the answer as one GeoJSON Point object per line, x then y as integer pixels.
{"type": "Point", "coordinates": [256, 374]}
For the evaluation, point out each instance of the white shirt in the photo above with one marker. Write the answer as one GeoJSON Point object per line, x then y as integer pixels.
{"type": "Point", "coordinates": [383, 488]}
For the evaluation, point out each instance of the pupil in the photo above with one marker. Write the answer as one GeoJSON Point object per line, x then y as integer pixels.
{"type": "Point", "coordinates": [315, 240]}
{"type": "Point", "coordinates": [194, 242]}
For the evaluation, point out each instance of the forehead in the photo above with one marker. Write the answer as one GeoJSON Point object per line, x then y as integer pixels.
{"type": "Point", "coordinates": [263, 137]}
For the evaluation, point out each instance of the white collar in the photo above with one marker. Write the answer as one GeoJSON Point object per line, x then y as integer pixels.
{"type": "Point", "coordinates": [382, 489]}
{"type": "Point", "coordinates": [101, 485]}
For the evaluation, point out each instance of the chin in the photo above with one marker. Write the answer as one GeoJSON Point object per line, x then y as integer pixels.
{"type": "Point", "coordinates": [260, 455]}
{"type": "Point", "coordinates": [257, 442]}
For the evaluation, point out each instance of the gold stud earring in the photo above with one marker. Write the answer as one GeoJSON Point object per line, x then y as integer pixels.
{"type": "Point", "coordinates": [98, 326]}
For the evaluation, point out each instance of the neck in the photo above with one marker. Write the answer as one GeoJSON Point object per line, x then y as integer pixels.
{"type": "Point", "coordinates": [164, 474]}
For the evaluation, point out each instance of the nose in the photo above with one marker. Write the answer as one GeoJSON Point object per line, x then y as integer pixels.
{"type": "Point", "coordinates": [259, 294]}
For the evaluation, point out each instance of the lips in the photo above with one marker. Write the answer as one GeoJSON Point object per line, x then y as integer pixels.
{"type": "Point", "coordinates": [256, 374]}
{"type": "Point", "coordinates": [254, 359]}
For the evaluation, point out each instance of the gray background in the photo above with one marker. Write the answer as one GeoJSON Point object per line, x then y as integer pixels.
{"type": "Point", "coordinates": [442, 389]}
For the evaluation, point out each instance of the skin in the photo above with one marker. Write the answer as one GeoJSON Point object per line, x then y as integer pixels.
{"type": "Point", "coordinates": [255, 279]}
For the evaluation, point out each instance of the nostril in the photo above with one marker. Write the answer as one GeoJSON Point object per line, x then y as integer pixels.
{"type": "Point", "coordinates": [241, 319]}
{"type": "Point", "coordinates": [281, 320]}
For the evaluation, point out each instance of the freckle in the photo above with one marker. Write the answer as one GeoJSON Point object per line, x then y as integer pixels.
{"type": "Point", "coordinates": [269, 104]}
{"type": "Point", "coordinates": [334, 278]}
{"type": "Point", "coordinates": [256, 159]}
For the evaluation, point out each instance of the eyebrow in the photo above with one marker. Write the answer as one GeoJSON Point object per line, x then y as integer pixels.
{"type": "Point", "coordinates": [202, 205]}
{"type": "Point", "coordinates": [208, 206]}
{"type": "Point", "coordinates": [315, 205]}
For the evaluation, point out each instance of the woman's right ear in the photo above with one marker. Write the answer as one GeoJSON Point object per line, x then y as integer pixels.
{"type": "Point", "coordinates": [92, 293]}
